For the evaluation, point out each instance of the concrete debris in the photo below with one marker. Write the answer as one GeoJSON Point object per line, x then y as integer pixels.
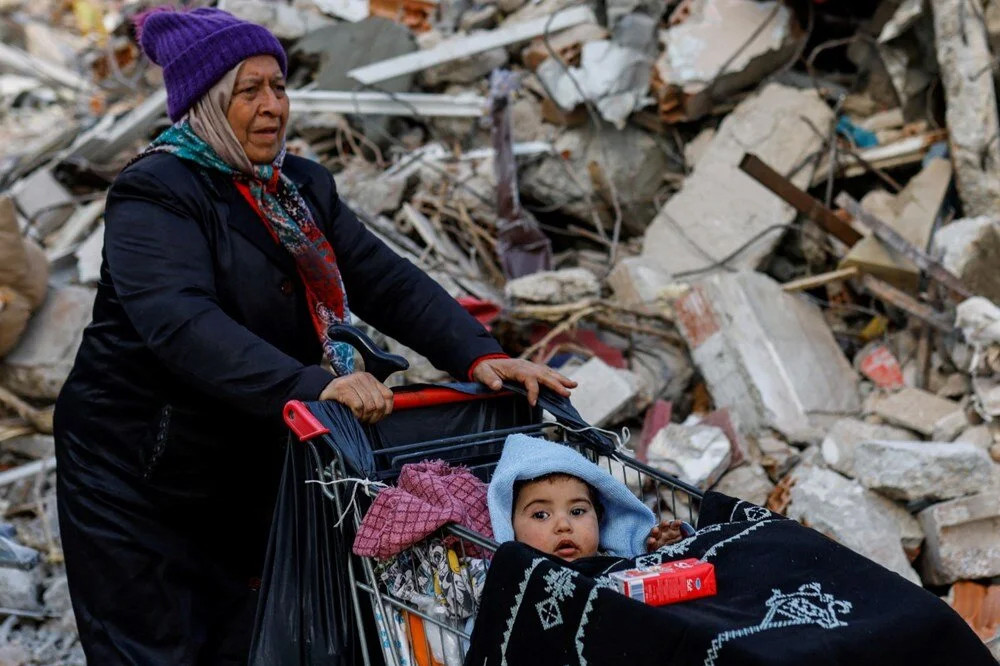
{"type": "Point", "coordinates": [776, 456]}
{"type": "Point", "coordinates": [43, 202]}
{"type": "Point", "coordinates": [89, 257]}
{"type": "Point", "coordinates": [35, 446]}
{"type": "Point", "coordinates": [40, 363]}
{"type": "Point", "coordinates": [20, 589]}
{"type": "Point", "coordinates": [288, 23]}
{"type": "Point", "coordinates": [613, 74]}
{"type": "Point", "coordinates": [638, 282]}
{"type": "Point", "coordinates": [604, 392]}
{"type": "Point", "coordinates": [553, 287]}
{"type": "Point", "coordinates": [962, 52]}
{"type": "Point", "coordinates": [969, 248]}
{"type": "Point", "coordinates": [918, 410]}
{"type": "Point", "coordinates": [708, 226]}
{"type": "Point", "coordinates": [720, 47]}
{"type": "Point", "coordinates": [846, 434]}
{"type": "Point", "coordinates": [697, 454]}
{"type": "Point", "coordinates": [749, 482]}
{"type": "Point", "coordinates": [923, 470]}
{"type": "Point", "coordinates": [844, 511]}
{"type": "Point", "coordinates": [963, 539]}
{"type": "Point", "coordinates": [767, 356]}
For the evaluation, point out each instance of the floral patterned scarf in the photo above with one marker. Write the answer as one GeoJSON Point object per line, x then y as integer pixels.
{"type": "Point", "coordinates": [287, 217]}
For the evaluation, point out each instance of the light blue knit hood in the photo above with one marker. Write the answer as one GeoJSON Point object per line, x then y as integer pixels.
{"type": "Point", "coordinates": [626, 522]}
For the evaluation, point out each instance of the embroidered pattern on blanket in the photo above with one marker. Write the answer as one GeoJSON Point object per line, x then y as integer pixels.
{"type": "Point", "coordinates": [808, 605]}
{"type": "Point", "coordinates": [517, 605]}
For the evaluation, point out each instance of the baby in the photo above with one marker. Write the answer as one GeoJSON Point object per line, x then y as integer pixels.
{"type": "Point", "coordinates": [551, 498]}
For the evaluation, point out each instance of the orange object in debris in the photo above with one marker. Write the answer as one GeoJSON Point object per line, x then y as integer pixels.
{"type": "Point", "coordinates": [414, 14]}
{"type": "Point", "coordinates": [979, 605]}
{"type": "Point", "coordinates": [880, 366]}
{"type": "Point", "coordinates": [418, 640]}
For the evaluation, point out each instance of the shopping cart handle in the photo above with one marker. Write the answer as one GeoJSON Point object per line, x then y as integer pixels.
{"type": "Point", "coordinates": [378, 363]}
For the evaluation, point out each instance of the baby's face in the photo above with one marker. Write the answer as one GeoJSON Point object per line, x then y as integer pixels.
{"type": "Point", "coordinates": [556, 516]}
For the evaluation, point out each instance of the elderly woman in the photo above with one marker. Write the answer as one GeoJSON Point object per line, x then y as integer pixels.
{"type": "Point", "coordinates": [225, 261]}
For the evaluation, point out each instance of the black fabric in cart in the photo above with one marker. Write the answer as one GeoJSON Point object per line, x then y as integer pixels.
{"type": "Point", "coordinates": [786, 595]}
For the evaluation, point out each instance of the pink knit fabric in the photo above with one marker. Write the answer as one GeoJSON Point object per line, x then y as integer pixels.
{"type": "Point", "coordinates": [427, 496]}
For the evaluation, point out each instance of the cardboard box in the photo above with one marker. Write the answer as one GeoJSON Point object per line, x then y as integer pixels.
{"type": "Point", "coordinates": [668, 583]}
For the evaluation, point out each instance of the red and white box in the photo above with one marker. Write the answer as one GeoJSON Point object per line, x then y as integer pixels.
{"type": "Point", "coordinates": [668, 583]}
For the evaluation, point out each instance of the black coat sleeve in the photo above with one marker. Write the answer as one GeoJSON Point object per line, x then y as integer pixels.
{"type": "Point", "coordinates": [402, 301]}
{"type": "Point", "coordinates": [161, 265]}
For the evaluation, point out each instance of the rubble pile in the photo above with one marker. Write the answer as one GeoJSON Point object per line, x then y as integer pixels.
{"type": "Point", "coordinates": [763, 235]}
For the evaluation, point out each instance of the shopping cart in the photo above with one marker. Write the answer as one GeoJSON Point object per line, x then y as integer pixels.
{"type": "Point", "coordinates": [460, 424]}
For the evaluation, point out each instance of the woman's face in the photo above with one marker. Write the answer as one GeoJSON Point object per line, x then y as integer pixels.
{"type": "Point", "coordinates": [258, 112]}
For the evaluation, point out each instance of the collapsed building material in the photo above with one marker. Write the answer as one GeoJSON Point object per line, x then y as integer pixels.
{"type": "Point", "coordinates": [900, 299]}
{"type": "Point", "coordinates": [112, 135]}
{"type": "Point", "coordinates": [639, 283]}
{"type": "Point", "coordinates": [286, 22]}
{"type": "Point", "coordinates": [895, 241]}
{"type": "Point", "coordinates": [89, 257]}
{"type": "Point", "coordinates": [40, 363]}
{"type": "Point", "coordinates": [916, 409]}
{"type": "Point", "coordinates": [43, 201]}
{"type": "Point", "coordinates": [522, 246]}
{"type": "Point", "coordinates": [565, 44]}
{"type": "Point", "coordinates": [916, 209]}
{"type": "Point", "coordinates": [748, 481]}
{"type": "Point", "coordinates": [613, 74]}
{"type": "Point", "coordinates": [969, 248]}
{"type": "Point", "coordinates": [29, 65]}
{"type": "Point", "coordinates": [722, 217]}
{"type": "Point", "coordinates": [963, 539]}
{"type": "Point", "coordinates": [720, 47]}
{"type": "Point", "coordinates": [923, 470]}
{"type": "Point", "coordinates": [604, 393]}
{"type": "Point", "coordinates": [776, 456]}
{"type": "Point", "coordinates": [697, 454]}
{"type": "Point", "coordinates": [65, 240]}
{"type": "Point", "coordinates": [767, 356]}
{"type": "Point", "coordinates": [568, 285]}
{"type": "Point", "coordinates": [754, 167]}
{"type": "Point", "coordinates": [846, 434]}
{"type": "Point", "coordinates": [466, 46]}
{"type": "Point", "coordinates": [906, 151]}
{"type": "Point", "coordinates": [844, 511]}
{"type": "Point", "coordinates": [963, 55]}
{"type": "Point", "coordinates": [19, 589]}
{"type": "Point", "coordinates": [365, 102]}
{"type": "Point", "coordinates": [630, 163]}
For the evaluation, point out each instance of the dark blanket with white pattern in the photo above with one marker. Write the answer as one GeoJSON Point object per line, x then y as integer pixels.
{"type": "Point", "coordinates": [786, 595]}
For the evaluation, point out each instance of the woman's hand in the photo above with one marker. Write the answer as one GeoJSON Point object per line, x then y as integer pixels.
{"type": "Point", "coordinates": [493, 371]}
{"type": "Point", "coordinates": [367, 397]}
{"type": "Point", "coordinates": [667, 532]}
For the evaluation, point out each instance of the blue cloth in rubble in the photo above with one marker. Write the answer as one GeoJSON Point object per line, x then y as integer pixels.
{"type": "Point", "coordinates": [626, 521]}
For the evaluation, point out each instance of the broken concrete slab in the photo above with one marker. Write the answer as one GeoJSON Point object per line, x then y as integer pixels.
{"type": "Point", "coordinates": [630, 159]}
{"type": "Point", "coordinates": [915, 212]}
{"type": "Point", "coordinates": [748, 482]}
{"type": "Point", "coordinates": [603, 392]}
{"type": "Point", "coordinates": [844, 511]}
{"type": "Point", "coordinates": [639, 282]}
{"type": "Point", "coordinates": [697, 454]}
{"type": "Point", "coordinates": [979, 319]}
{"type": "Point", "coordinates": [463, 70]}
{"type": "Point", "coordinates": [980, 435]}
{"type": "Point", "coordinates": [89, 257]}
{"type": "Point", "coordinates": [910, 532]}
{"type": "Point", "coordinates": [987, 395]}
{"type": "Point", "coordinates": [768, 356]}
{"type": "Point", "coordinates": [565, 44]}
{"type": "Point", "coordinates": [43, 201]}
{"type": "Point", "coordinates": [719, 47]}
{"type": "Point", "coordinates": [664, 371]}
{"type": "Point", "coordinates": [843, 438]}
{"type": "Point", "coordinates": [917, 410]}
{"type": "Point", "coordinates": [40, 363]}
{"type": "Point", "coordinates": [20, 589]}
{"type": "Point", "coordinates": [567, 285]}
{"type": "Point", "coordinates": [287, 23]}
{"type": "Point", "coordinates": [721, 211]}
{"type": "Point", "coordinates": [613, 74]}
{"type": "Point", "coordinates": [963, 53]}
{"type": "Point", "coordinates": [970, 248]}
{"type": "Point", "coordinates": [337, 49]}
{"type": "Point", "coordinates": [776, 456]}
{"type": "Point", "coordinates": [963, 539]}
{"type": "Point", "coordinates": [923, 470]}
{"type": "Point", "coordinates": [35, 446]}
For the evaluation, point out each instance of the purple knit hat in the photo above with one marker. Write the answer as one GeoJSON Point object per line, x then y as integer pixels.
{"type": "Point", "coordinates": [196, 48]}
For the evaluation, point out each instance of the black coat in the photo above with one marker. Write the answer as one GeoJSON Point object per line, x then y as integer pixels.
{"type": "Point", "coordinates": [168, 430]}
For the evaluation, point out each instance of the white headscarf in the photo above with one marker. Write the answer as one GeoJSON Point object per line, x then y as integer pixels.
{"type": "Point", "coordinates": [208, 120]}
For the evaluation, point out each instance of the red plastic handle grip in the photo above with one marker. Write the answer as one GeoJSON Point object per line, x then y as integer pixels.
{"type": "Point", "coordinates": [302, 422]}
{"type": "Point", "coordinates": [438, 395]}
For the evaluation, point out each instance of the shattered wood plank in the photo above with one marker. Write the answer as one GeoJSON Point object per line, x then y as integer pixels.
{"type": "Point", "coordinates": [900, 299]}
{"type": "Point", "coordinates": [462, 47]}
{"type": "Point", "coordinates": [894, 240]}
{"type": "Point", "coordinates": [966, 66]}
{"type": "Point", "coordinates": [754, 167]}
{"type": "Point", "coordinates": [813, 281]}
